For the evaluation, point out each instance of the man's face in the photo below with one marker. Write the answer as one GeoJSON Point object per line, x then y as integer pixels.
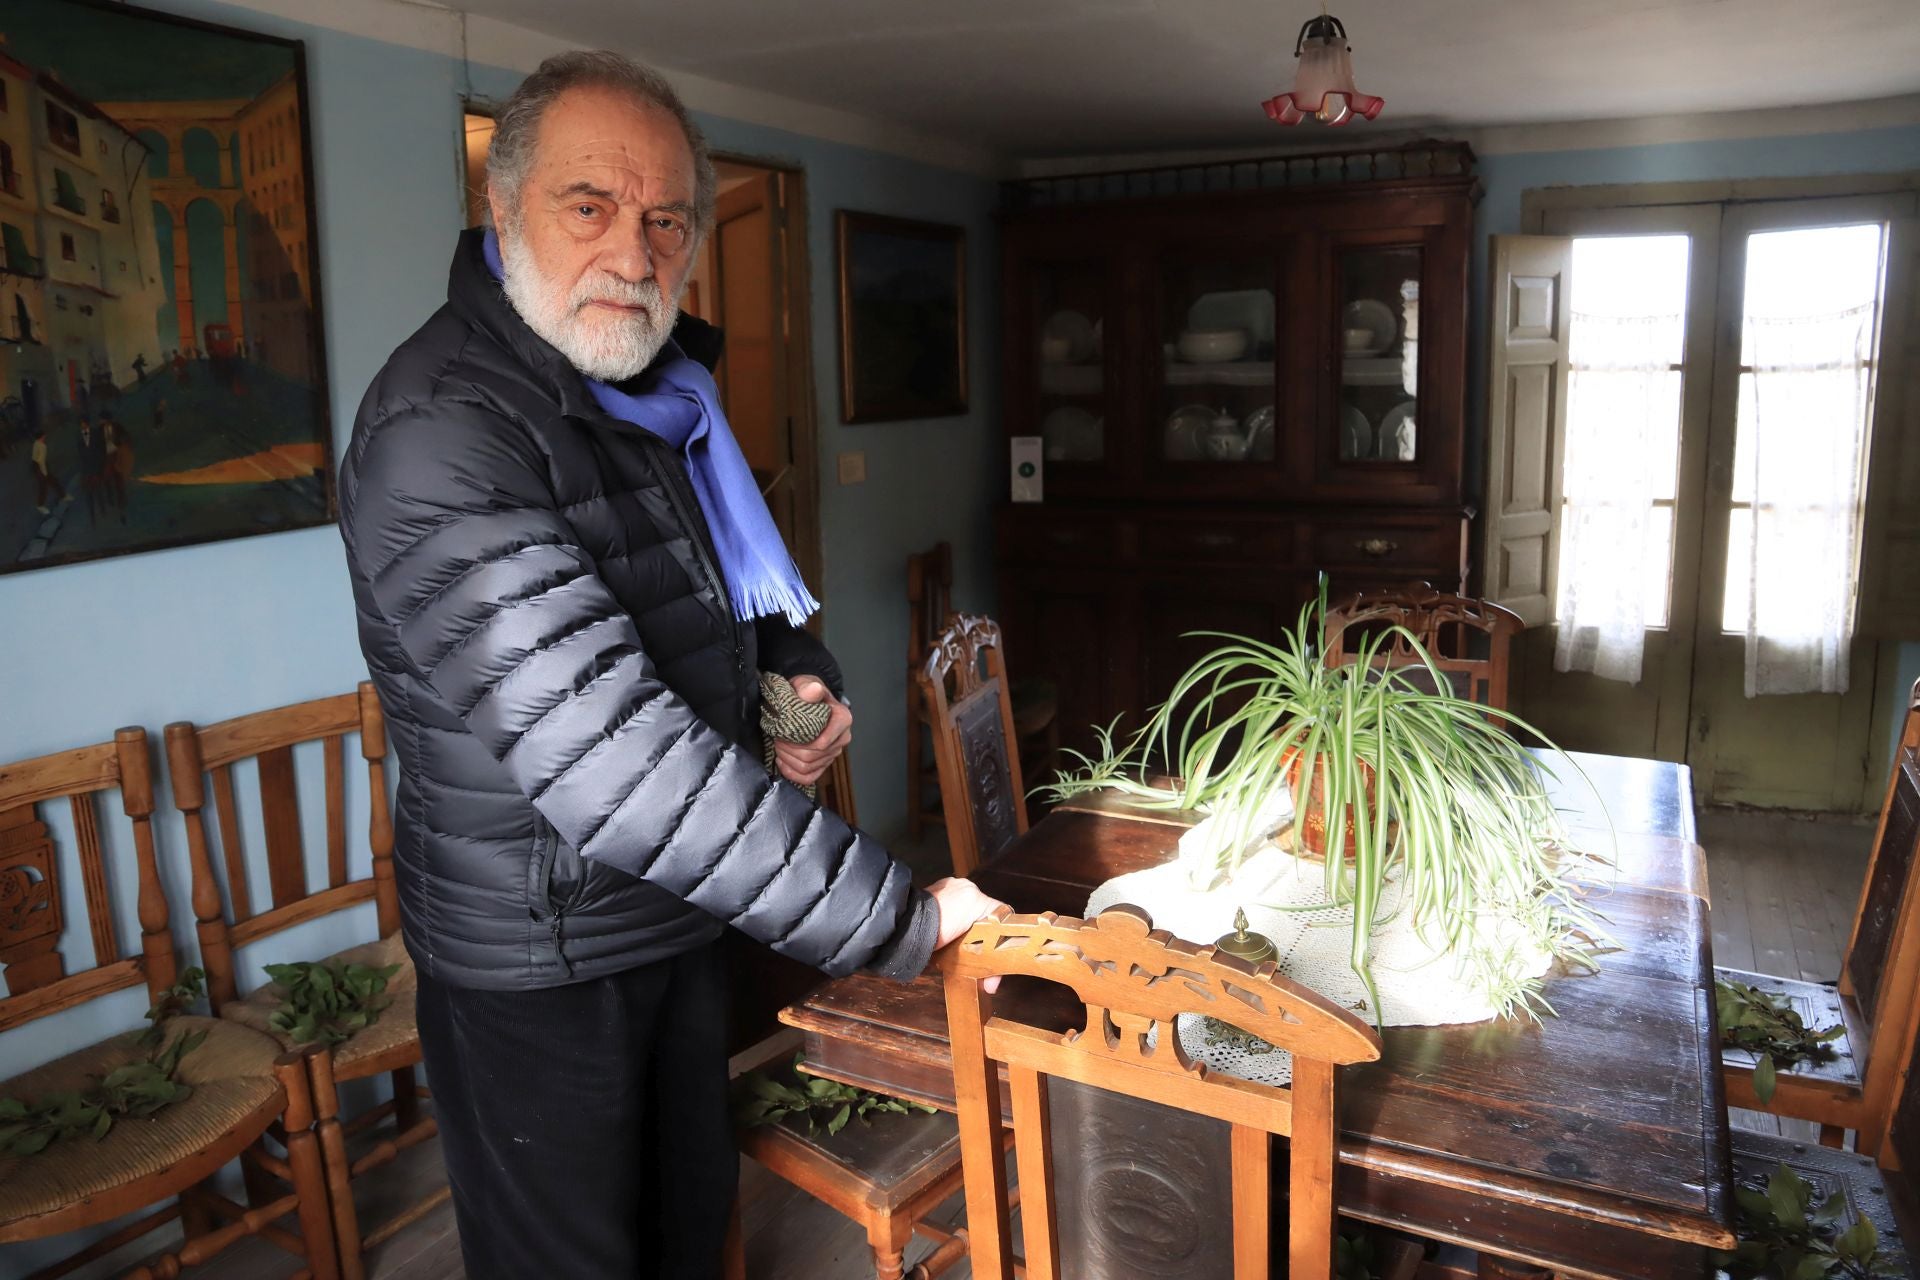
{"type": "Point", "coordinates": [600, 247]}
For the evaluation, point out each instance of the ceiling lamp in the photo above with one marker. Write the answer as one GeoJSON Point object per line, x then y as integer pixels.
{"type": "Point", "coordinates": [1323, 85]}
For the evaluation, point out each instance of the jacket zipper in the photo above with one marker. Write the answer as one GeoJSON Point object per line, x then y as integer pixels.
{"type": "Point", "coordinates": [555, 915]}
{"type": "Point", "coordinates": [687, 506]}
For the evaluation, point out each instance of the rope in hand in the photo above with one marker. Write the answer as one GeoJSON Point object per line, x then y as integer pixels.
{"type": "Point", "coordinates": [787, 717]}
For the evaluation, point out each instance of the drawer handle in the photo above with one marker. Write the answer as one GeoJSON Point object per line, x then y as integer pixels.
{"type": "Point", "coordinates": [1376, 547]}
{"type": "Point", "coordinates": [1215, 540]}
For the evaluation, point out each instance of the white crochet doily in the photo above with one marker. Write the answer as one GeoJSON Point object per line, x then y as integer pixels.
{"type": "Point", "coordinates": [1419, 984]}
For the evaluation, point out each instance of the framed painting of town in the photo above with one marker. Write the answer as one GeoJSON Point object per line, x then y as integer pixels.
{"type": "Point", "coordinates": [162, 375]}
{"type": "Point", "coordinates": [903, 318]}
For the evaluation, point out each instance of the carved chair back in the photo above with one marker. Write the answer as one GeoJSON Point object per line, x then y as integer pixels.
{"type": "Point", "coordinates": [1135, 981]}
{"type": "Point", "coordinates": [963, 685]}
{"type": "Point", "coordinates": [197, 754]}
{"type": "Point", "coordinates": [32, 917]}
{"type": "Point", "coordinates": [1469, 640]}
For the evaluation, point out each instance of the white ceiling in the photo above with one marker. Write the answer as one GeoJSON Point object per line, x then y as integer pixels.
{"type": "Point", "coordinates": [1028, 78]}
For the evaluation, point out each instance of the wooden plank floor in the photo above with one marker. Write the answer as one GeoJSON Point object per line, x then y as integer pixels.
{"type": "Point", "coordinates": [1784, 891]}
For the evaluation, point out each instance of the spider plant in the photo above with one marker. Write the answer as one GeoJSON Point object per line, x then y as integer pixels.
{"type": "Point", "coordinates": [1427, 791]}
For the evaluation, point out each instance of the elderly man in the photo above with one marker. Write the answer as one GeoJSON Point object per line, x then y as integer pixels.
{"type": "Point", "coordinates": [566, 584]}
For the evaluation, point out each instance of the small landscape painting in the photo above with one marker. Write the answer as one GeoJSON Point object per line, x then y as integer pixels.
{"type": "Point", "coordinates": [162, 377]}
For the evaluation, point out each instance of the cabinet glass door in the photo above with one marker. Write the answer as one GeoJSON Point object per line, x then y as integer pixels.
{"type": "Point", "coordinates": [1377, 331]}
{"type": "Point", "coordinates": [1070, 326]}
{"type": "Point", "coordinates": [1216, 344]}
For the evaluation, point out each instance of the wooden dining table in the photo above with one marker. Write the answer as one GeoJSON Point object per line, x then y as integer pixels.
{"type": "Point", "coordinates": [1592, 1142]}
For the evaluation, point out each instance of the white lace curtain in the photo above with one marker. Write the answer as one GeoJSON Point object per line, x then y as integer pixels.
{"type": "Point", "coordinates": [1804, 416]}
{"type": "Point", "coordinates": [1620, 380]}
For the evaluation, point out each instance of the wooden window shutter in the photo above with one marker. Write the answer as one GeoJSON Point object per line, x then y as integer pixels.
{"type": "Point", "coordinates": [1890, 545]}
{"type": "Point", "coordinates": [1526, 421]}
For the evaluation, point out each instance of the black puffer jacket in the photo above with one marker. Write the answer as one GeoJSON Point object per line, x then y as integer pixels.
{"type": "Point", "coordinates": [572, 703]}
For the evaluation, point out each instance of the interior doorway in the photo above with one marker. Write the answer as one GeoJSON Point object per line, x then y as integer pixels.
{"type": "Point", "coordinates": [752, 281]}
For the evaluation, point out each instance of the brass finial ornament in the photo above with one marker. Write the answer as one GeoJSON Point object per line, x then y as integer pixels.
{"type": "Point", "coordinates": [1254, 948]}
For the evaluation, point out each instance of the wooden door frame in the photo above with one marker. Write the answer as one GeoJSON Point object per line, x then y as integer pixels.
{"type": "Point", "coordinates": [802, 394]}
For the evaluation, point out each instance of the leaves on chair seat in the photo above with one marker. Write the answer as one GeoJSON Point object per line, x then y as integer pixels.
{"type": "Point", "coordinates": [767, 1100]}
{"type": "Point", "coordinates": [327, 1001]}
{"type": "Point", "coordinates": [1768, 1027]}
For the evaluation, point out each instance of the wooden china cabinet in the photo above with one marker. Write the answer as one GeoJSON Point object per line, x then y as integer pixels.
{"type": "Point", "coordinates": [1243, 375]}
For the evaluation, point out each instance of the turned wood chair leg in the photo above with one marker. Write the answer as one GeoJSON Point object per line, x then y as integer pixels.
{"type": "Point", "coordinates": [305, 1164]}
{"type": "Point", "coordinates": [1833, 1135]}
{"type": "Point", "coordinates": [332, 1139]}
{"type": "Point", "coordinates": [195, 1219]}
{"type": "Point", "coordinates": [889, 1236]}
{"type": "Point", "coordinates": [406, 1100]}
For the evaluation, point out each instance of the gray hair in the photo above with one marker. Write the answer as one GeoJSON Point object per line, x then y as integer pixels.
{"type": "Point", "coordinates": [517, 127]}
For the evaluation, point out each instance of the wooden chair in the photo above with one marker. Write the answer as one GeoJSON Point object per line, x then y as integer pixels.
{"type": "Point", "coordinates": [1036, 721]}
{"type": "Point", "coordinates": [1134, 982]}
{"type": "Point", "coordinates": [886, 1176]}
{"type": "Point", "coordinates": [929, 601]}
{"type": "Point", "coordinates": [963, 684]}
{"type": "Point", "coordinates": [1885, 1194]}
{"type": "Point", "coordinates": [1878, 985]}
{"type": "Point", "coordinates": [244, 1085]}
{"type": "Point", "coordinates": [1469, 640]}
{"type": "Point", "coordinates": [391, 1045]}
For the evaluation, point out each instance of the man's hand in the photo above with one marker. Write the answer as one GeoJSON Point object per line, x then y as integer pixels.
{"type": "Point", "coordinates": [962, 905]}
{"type": "Point", "coordinates": [802, 763]}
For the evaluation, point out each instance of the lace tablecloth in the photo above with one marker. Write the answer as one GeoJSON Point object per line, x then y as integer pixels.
{"type": "Point", "coordinates": [1285, 899]}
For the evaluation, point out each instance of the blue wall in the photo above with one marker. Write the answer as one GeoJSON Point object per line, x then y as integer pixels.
{"type": "Point", "coordinates": [208, 632]}
{"type": "Point", "coordinates": [1506, 177]}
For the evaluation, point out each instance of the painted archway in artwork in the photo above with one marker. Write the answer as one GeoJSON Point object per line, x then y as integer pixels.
{"type": "Point", "coordinates": [200, 157]}
{"type": "Point", "coordinates": [207, 266]}
{"type": "Point", "coordinates": [168, 319]}
{"type": "Point", "coordinates": [159, 154]}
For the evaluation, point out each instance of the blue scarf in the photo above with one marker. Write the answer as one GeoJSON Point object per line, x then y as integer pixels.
{"type": "Point", "coordinates": [676, 400]}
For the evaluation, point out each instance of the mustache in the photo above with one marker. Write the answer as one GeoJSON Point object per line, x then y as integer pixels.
{"type": "Point", "coordinates": [623, 292]}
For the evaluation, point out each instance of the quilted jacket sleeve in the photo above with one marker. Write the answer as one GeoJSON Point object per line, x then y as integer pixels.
{"type": "Point", "coordinates": [791, 651]}
{"type": "Point", "coordinates": [451, 524]}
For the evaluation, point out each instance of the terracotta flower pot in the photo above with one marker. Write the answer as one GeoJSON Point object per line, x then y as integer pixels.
{"type": "Point", "coordinates": [1310, 823]}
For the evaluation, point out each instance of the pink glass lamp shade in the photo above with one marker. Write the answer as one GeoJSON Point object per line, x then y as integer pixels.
{"type": "Point", "coordinates": [1323, 84]}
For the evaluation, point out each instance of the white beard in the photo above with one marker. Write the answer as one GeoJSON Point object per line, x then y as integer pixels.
{"type": "Point", "coordinates": [604, 345]}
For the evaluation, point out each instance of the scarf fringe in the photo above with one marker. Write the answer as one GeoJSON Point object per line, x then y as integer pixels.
{"type": "Point", "coordinates": [765, 598]}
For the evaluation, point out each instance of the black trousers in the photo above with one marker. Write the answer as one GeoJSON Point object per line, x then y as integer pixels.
{"type": "Point", "coordinates": [585, 1128]}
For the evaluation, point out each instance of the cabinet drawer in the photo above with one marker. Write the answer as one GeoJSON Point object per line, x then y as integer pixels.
{"type": "Point", "coordinates": [1053, 537]}
{"type": "Point", "coordinates": [1388, 546]}
{"type": "Point", "coordinates": [1215, 542]}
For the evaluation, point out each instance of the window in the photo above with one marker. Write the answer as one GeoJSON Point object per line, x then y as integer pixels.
{"type": "Point", "coordinates": [65, 194]}
{"type": "Point", "coordinates": [9, 178]}
{"type": "Point", "coordinates": [18, 260]}
{"type": "Point", "coordinates": [1627, 338]}
{"type": "Point", "coordinates": [1807, 347]}
{"type": "Point", "coordinates": [67, 251]}
{"type": "Point", "coordinates": [3, 94]}
{"type": "Point", "coordinates": [1699, 479]}
{"type": "Point", "coordinates": [63, 128]}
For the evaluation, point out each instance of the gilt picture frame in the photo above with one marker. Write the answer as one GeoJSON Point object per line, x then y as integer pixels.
{"type": "Point", "coordinates": [163, 372]}
{"type": "Point", "coordinates": [903, 318]}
